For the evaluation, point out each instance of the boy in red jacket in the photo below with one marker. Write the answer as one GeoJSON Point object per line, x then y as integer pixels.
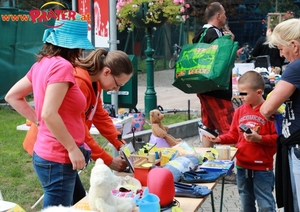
{"type": "Point", "coordinates": [256, 148]}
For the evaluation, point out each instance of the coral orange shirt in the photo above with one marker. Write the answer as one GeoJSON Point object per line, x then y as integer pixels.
{"type": "Point", "coordinates": [96, 115]}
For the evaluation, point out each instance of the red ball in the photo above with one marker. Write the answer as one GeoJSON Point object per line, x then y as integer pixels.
{"type": "Point", "coordinates": [160, 181]}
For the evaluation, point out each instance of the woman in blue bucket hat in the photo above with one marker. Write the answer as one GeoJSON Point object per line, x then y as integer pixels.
{"type": "Point", "coordinates": [59, 104]}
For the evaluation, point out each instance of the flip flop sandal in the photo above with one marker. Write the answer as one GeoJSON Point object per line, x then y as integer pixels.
{"type": "Point", "coordinates": [192, 192]}
{"type": "Point", "coordinates": [204, 171]}
{"type": "Point", "coordinates": [191, 177]}
{"type": "Point", "coordinates": [185, 185]}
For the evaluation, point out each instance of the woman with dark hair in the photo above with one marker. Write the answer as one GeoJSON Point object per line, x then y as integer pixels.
{"type": "Point", "coordinates": [59, 105]}
{"type": "Point", "coordinates": [109, 71]}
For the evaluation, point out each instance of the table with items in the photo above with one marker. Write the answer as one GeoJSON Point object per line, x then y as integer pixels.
{"type": "Point", "coordinates": [189, 203]}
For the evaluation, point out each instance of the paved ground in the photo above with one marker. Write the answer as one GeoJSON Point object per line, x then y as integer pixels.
{"type": "Point", "coordinates": [168, 96]}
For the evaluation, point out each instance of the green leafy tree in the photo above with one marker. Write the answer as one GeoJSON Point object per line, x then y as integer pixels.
{"type": "Point", "coordinates": [199, 7]}
{"type": "Point", "coordinates": [267, 6]}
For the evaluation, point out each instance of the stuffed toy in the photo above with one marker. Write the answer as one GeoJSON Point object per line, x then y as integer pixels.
{"type": "Point", "coordinates": [159, 130]}
{"type": "Point", "coordinates": [102, 182]}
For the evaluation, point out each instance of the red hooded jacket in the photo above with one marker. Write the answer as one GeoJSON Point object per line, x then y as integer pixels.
{"type": "Point", "coordinates": [252, 155]}
{"type": "Point", "coordinates": [96, 115]}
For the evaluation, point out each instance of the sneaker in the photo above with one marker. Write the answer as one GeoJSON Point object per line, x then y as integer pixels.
{"type": "Point", "coordinates": [230, 179]}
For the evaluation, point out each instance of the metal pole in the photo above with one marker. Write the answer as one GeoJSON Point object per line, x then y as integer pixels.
{"type": "Point", "coordinates": [150, 94]}
{"type": "Point", "coordinates": [113, 46]}
{"type": "Point", "coordinates": [74, 5]}
{"type": "Point", "coordinates": [113, 43]}
{"type": "Point", "coordinates": [92, 22]}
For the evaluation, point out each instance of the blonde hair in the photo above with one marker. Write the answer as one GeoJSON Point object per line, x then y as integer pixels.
{"type": "Point", "coordinates": [284, 32]}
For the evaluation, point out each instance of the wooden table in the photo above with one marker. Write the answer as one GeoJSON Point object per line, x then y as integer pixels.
{"type": "Point", "coordinates": [187, 204]}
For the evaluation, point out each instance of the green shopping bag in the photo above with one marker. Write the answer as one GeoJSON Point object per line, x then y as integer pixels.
{"type": "Point", "coordinates": [203, 67]}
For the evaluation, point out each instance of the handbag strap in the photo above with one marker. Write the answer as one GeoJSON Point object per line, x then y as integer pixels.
{"type": "Point", "coordinates": [202, 35]}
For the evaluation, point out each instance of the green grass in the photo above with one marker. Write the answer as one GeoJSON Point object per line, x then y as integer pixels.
{"type": "Point", "coordinates": [171, 119]}
{"type": "Point", "coordinates": [18, 181]}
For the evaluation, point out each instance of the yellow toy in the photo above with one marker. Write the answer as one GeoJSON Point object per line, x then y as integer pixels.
{"type": "Point", "coordinates": [281, 109]}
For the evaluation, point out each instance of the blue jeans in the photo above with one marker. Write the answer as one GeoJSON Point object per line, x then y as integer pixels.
{"type": "Point", "coordinates": [294, 162]}
{"type": "Point", "coordinates": [256, 186]}
{"type": "Point", "coordinates": [58, 181]}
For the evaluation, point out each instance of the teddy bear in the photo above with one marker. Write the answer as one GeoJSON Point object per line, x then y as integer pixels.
{"type": "Point", "coordinates": [102, 182]}
{"type": "Point", "coordinates": [161, 131]}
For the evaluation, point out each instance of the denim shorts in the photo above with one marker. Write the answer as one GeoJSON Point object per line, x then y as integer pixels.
{"type": "Point", "coordinates": [58, 181]}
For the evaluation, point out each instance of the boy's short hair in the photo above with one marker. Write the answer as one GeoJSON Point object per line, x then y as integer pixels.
{"type": "Point", "coordinates": [253, 79]}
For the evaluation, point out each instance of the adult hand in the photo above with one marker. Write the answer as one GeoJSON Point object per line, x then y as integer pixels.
{"type": "Point", "coordinates": [228, 32]}
{"type": "Point", "coordinates": [118, 164]}
{"type": "Point", "coordinates": [77, 158]}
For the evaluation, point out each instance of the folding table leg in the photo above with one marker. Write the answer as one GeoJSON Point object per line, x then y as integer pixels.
{"type": "Point", "coordinates": [212, 201]}
{"type": "Point", "coordinates": [222, 194]}
{"type": "Point", "coordinates": [37, 202]}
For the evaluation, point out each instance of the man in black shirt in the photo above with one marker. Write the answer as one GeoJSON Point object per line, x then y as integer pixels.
{"type": "Point", "coordinates": [216, 106]}
{"type": "Point", "coordinates": [261, 48]}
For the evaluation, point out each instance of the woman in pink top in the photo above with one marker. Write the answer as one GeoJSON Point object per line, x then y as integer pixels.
{"type": "Point", "coordinates": [59, 105]}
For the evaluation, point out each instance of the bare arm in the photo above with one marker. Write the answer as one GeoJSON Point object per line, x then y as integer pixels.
{"type": "Point", "coordinates": [282, 91]}
{"type": "Point", "coordinates": [54, 96]}
{"type": "Point", "coordinates": [16, 98]}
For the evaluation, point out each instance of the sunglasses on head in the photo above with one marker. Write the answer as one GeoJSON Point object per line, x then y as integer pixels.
{"type": "Point", "coordinates": [243, 93]}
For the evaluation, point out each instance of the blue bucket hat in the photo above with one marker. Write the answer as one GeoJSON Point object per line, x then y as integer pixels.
{"type": "Point", "coordinates": [71, 34]}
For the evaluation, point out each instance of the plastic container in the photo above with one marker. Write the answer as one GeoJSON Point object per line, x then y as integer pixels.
{"type": "Point", "coordinates": [223, 151]}
{"type": "Point", "coordinates": [141, 172]}
{"type": "Point", "coordinates": [160, 142]}
{"type": "Point", "coordinates": [149, 202]}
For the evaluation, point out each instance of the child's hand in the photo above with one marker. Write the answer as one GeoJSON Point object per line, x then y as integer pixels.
{"type": "Point", "coordinates": [213, 139]}
{"type": "Point", "coordinates": [252, 137]}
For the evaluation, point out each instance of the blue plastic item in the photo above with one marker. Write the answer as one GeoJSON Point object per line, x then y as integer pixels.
{"type": "Point", "coordinates": [148, 203]}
